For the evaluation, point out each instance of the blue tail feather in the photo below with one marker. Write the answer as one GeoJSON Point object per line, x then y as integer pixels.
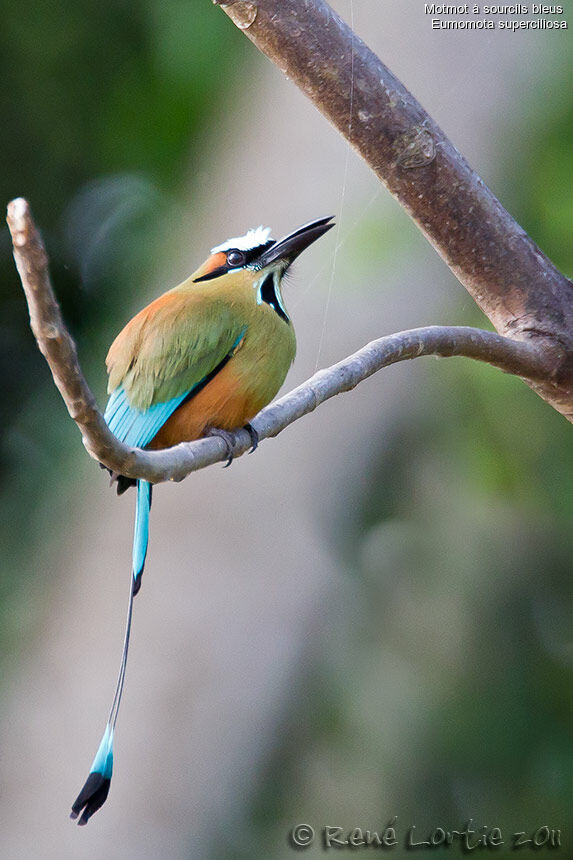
{"type": "Point", "coordinates": [134, 427]}
{"type": "Point", "coordinates": [103, 761]}
{"type": "Point", "coordinates": [96, 787]}
{"type": "Point", "coordinates": [141, 532]}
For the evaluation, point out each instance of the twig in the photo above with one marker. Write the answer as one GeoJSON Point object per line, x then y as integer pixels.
{"type": "Point", "coordinates": [57, 346]}
{"type": "Point", "coordinates": [513, 282]}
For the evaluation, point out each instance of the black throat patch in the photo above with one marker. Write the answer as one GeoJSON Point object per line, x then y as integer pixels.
{"type": "Point", "coordinates": [269, 296]}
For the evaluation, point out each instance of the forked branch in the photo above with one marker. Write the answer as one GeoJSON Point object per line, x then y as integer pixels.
{"type": "Point", "coordinates": [59, 350]}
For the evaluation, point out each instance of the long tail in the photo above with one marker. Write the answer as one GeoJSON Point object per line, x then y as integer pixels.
{"type": "Point", "coordinates": [96, 788]}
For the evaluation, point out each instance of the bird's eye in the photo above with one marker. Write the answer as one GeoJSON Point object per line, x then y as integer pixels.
{"type": "Point", "coordinates": [235, 258]}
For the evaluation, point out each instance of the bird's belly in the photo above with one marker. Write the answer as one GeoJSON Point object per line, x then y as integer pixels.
{"type": "Point", "coordinates": [225, 402]}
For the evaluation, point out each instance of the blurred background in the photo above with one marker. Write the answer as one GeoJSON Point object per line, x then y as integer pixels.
{"type": "Point", "coordinates": [370, 618]}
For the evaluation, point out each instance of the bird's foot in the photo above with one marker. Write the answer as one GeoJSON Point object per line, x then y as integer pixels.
{"type": "Point", "coordinates": [122, 484]}
{"type": "Point", "coordinates": [229, 440]}
{"type": "Point", "coordinates": [254, 437]}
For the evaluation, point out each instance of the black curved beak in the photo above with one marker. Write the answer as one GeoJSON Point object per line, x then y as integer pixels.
{"type": "Point", "coordinates": [289, 247]}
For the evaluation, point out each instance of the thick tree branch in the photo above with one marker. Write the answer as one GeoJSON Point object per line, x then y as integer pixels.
{"type": "Point", "coordinates": [512, 281]}
{"type": "Point", "coordinates": [58, 348]}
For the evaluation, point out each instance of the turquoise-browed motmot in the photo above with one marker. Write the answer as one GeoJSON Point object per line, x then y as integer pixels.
{"type": "Point", "coordinates": [204, 357]}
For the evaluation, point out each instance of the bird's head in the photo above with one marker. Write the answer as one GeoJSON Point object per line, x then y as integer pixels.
{"type": "Point", "coordinates": [257, 252]}
{"type": "Point", "coordinates": [262, 259]}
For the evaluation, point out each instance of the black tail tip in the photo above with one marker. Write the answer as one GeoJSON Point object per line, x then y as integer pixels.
{"type": "Point", "coordinates": [91, 798]}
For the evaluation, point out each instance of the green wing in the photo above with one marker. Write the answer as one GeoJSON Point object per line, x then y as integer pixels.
{"type": "Point", "coordinates": [171, 346]}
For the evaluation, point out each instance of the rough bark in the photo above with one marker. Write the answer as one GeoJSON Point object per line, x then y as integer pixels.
{"type": "Point", "coordinates": [512, 281]}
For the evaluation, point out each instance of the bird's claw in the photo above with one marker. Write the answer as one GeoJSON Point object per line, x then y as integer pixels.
{"type": "Point", "coordinates": [254, 437]}
{"type": "Point", "coordinates": [228, 439]}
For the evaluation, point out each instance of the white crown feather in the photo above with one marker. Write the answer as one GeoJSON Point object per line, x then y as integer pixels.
{"type": "Point", "coordinates": [253, 239]}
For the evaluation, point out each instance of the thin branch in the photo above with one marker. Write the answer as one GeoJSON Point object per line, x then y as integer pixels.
{"type": "Point", "coordinates": [512, 281]}
{"type": "Point", "coordinates": [59, 350]}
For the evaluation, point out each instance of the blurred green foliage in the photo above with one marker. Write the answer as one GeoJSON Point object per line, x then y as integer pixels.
{"type": "Point", "coordinates": [103, 106]}
{"type": "Point", "coordinates": [541, 191]}
{"type": "Point", "coordinates": [459, 531]}
{"type": "Point", "coordinates": [446, 690]}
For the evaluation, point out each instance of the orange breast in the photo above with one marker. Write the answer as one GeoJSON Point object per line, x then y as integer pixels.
{"type": "Point", "coordinates": [225, 402]}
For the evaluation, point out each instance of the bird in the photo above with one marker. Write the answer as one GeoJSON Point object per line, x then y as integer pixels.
{"type": "Point", "coordinates": [204, 358]}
